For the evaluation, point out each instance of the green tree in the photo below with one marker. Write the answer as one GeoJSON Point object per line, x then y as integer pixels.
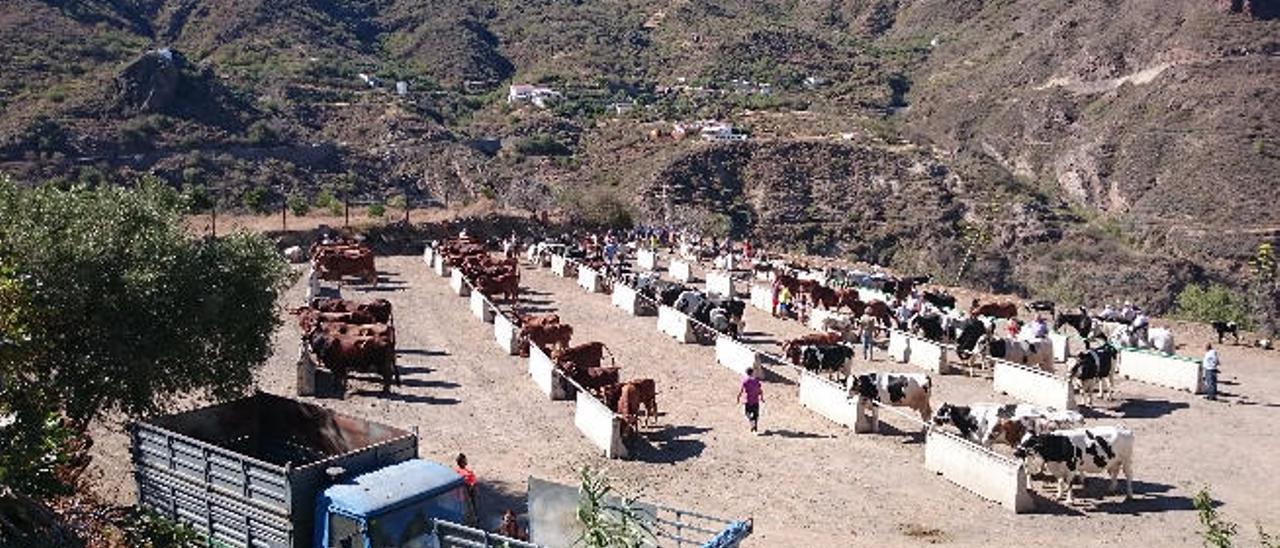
{"type": "Point", "coordinates": [127, 310]}
{"type": "Point", "coordinates": [255, 199]}
{"type": "Point", "coordinates": [377, 210]}
{"type": "Point", "coordinates": [299, 206]}
{"type": "Point", "coordinates": [1265, 291]}
{"type": "Point", "coordinates": [1214, 303]}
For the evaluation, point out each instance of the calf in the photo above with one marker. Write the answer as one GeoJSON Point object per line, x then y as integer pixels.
{"type": "Point", "coordinates": [1223, 328]}
{"type": "Point", "coordinates": [1095, 367]}
{"type": "Point", "coordinates": [634, 394]}
{"type": "Point", "coordinates": [1083, 450]}
{"type": "Point", "coordinates": [896, 389]}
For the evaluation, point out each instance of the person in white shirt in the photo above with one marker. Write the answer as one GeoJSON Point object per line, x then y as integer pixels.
{"type": "Point", "coordinates": [1210, 364]}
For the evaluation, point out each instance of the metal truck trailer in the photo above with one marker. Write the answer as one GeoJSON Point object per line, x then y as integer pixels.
{"type": "Point", "coordinates": [246, 473]}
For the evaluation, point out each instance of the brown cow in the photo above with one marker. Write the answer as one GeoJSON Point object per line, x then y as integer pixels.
{"type": "Point", "coordinates": [380, 309]}
{"type": "Point", "coordinates": [791, 348]}
{"type": "Point", "coordinates": [530, 320]}
{"type": "Point", "coordinates": [545, 336]}
{"type": "Point", "coordinates": [582, 356]}
{"type": "Point", "coordinates": [310, 318]}
{"type": "Point", "coordinates": [880, 311]}
{"type": "Point", "coordinates": [1005, 310]}
{"type": "Point", "coordinates": [632, 395]}
{"type": "Point", "coordinates": [824, 296]}
{"type": "Point", "coordinates": [344, 353]}
{"type": "Point", "coordinates": [848, 298]}
{"type": "Point", "coordinates": [334, 264]}
{"type": "Point", "coordinates": [507, 285]}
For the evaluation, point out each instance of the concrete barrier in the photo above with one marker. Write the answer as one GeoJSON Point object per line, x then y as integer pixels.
{"type": "Point", "coordinates": [739, 357]}
{"type": "Point", "coordinates": [590, 280]}
{"type": "Point", "coordinates": [559, 266]}
{"type": "Point", "coordinates": [675, 324]}
{"type": "Point", "coordinates": [437, 264]}
{"type": "Point", "coordinates": [459, 285]}
{"type": "Point", "coordinates": [978, 470]}
{"type": "Point", "coordinates": [1176, 372]}
{"type": "Point", "coordinates": [629, 301]}
{"type": "Point", "coordinates": [1061, 347]}
{"type": "Point", "coordinates": [680, 271]}
{"type": "Point", "coordinates": [647, 259]}
{"type": "Point", "coordinates": [428, 254]}
{"type": "Point", "coordinates": [481, 308]}
{"type": "Point", "coordinates": [830, 400]}
{"type": "Point", "coordinates": [544, 374]}
{"type": "Point", "coordinates": [598, 423]}
{"type": "Point", "coordinates": [1032, 385]}
{"type": "Point", "coordinates": [720, 283]}
{"type": "Point", "coordinates": [762, 297]}
{"type": "Point", "coordinates": [920, 352]}
{"type": "Point", "coordinates": [506, 334]}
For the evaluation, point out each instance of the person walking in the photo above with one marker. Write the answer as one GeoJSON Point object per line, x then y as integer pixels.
{"type": "Point", "coordinates": [867, 334]}
{"type": "Point", "coordinates": [471, 509]}
{"type": "Point", "coordinates": [753, 392]}
{"type": "Point", "coordinates": [1210, 364]}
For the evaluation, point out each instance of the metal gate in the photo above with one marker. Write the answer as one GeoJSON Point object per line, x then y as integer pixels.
{"type": "Point", "coordinates": [453, 535]}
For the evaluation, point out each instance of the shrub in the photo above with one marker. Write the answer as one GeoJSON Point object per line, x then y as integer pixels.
{"type": "Point", "coordinates": [1215, 303]}
{"type": "Point", "coordinates": [256, 199]}
{"type": "Point", "coordinates": [377, 211]}
{"type": "Point", "coordinates": [298, 205]}
{"type": "Point", "coordinates": [197, 197]}
{"type": "Point", "coordinates": [399, 201]}
{"type": "Point", "coordinates": [541, 145]}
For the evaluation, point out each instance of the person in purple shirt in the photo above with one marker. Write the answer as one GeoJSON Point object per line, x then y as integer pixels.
{"type": "Point", "coordinates": [754, 393]}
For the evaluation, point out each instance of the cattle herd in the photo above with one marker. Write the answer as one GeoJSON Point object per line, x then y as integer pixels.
{"type": "Point", "coordinates": [346, 336]}
{"type": "Point", "coordinates": [581, 366]}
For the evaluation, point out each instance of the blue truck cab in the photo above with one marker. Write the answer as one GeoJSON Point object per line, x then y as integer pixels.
{"type": "Point", "coordinates": [391, 507]}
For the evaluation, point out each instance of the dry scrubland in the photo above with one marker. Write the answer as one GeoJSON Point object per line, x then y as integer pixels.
{"type": "Point", "coordinates": [805, 480]}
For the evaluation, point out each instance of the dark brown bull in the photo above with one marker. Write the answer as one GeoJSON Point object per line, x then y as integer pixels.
{"type": "Point", "coordinates": [345, 353]}
{"type": "Point", "coordinates": [582, 356]}
{"type": "Point", "coordinates": [1005, 310]}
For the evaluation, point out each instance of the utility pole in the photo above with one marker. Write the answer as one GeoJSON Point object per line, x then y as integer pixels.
{"type": "Point", "coordinates": [284, 208]}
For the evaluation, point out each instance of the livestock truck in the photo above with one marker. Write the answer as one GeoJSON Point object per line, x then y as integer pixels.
{"type": "Point", "coordinates": [266, 471]}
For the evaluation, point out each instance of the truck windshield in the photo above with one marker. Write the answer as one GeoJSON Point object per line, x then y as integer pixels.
{"type": "Point", "coordinates": [408, 527]}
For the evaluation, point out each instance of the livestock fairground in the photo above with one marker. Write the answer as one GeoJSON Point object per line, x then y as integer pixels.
{"type": "Point", "coordinates": [481, 386]}
{"type": "Point", "coordinates": [639, 273]}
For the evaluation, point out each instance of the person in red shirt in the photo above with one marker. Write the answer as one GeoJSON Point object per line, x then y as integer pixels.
{"type": "Point", "coordinates": [471, 511]}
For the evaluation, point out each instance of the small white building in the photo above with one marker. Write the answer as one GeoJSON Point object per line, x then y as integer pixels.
{"type": "Point", "coordinates": [621, 107]}
{"type": "Point", "coordinates": [538, 95]}
{"type": "Point", "coordinates": [719, 131]}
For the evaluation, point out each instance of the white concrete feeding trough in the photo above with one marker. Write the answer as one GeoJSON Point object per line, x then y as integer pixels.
{"type": "Point", "coordinates": [437, 264]}
{"type": "Point", "coordinates": [428, 254]}
{"type": "Point", "coordinates": [762, 297]}
{"type": "Point", "coordinates": [920, 352]}
{"type": "Point", "coordinates": [629, 301]}
{"type": "Point", "coordinates": [738, 357]}
{"type": "Point", "coordinates": [832, 401]}
{"type": "Point", "coordinates": [543, 372]}
{"type": "Point", "coordinates": [1061, 347]}
{"type": "Point", "coordinates": [559, 266]}
{"type": "Point", "coordinates": [680, 271]}
{"type": "Point", "coordinates": [978, 470]}
{"type": "Point", "coordinates": [676, 325]}
{"type": "Point", "coordinates": [460, 286]}
{"type": "Point", "coordinates": [590, 280]}
{"type": "Point", "coordinates": [1032, 385]}
{"type": "Point", "coordinates": [481, 308]}
{"type": "Point", "coordinates": [1169, 371]}
{"type": "Point", "coordinates": [506, 334]}
{"type": "Point", "coordinates": [720, 284]}
{"type": "Point", "coordinates": [647, 259]}
{"type": "Point", "coordinates": [600, 425]}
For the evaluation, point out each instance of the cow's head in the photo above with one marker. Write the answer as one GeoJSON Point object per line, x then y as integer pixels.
{"type": "Point", "coordinates": [1031, 443]}
{"type": "Point", "coordinates": [947, 414]}
{"type": "Point", "coordinates": [320, 342]}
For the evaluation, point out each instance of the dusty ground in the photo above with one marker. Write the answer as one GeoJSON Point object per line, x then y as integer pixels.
{"type": "Point", "coordinates": [805, 480]}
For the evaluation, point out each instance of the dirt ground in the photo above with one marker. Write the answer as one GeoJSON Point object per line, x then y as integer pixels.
{"type": "Point", "coordinates": [806, 481]}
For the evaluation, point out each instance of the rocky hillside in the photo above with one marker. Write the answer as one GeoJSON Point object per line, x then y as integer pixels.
{"type": "Point", "coordinates": [1101, 148]}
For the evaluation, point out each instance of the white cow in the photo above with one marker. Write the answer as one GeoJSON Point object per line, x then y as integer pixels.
{"type": "Point", "coordinates": [1158, 338]}
{"type": "Point", "coordinates": [1083, 450]}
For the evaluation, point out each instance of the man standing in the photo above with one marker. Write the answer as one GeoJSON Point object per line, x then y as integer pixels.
{"type": "Point", "coordinates": [1210, 372]}
{"type": "Point", "coordinates": [471, 510]}
{"type": "Point", "coordinates": [867, 334]}
{"type": "Point", "coordinates": [754, 393]}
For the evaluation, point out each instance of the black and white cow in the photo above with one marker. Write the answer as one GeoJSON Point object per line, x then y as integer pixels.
{"type": "Point", "coordinates": [978, 421]}
{"type": "Point", "coordinates": [1083, 450]}
{"type": "Point", "coordinates": [1095, 368]}
{"type": "Point", "coordinates": [833, 358]}
{"type": "Point", "coordinates": [896, 389]}
{"type": "Point", "coordinates": [929, 326]}
{"type": "Point", "coordinates": [1224, 328]}
{"type": "Point", "coordinates": [1081, 321]}
{"type": "Point", "coordinates": [1038, 353]}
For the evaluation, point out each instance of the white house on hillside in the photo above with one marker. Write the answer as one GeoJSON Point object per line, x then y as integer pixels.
{"type": "Point", "coordinates": [537, 95]}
